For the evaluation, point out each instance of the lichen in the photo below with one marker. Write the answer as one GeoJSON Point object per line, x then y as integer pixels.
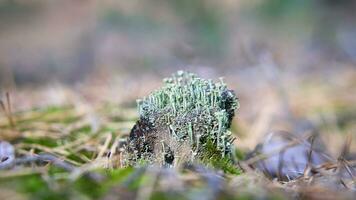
{"type": "Point", "coordinates": [186, 110]}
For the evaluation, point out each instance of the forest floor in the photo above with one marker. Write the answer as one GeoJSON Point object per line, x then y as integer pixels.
{"type": "Point", "coordinates": [74, 150]}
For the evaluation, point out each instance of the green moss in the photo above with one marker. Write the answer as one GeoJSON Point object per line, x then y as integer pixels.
{"type": "Point", "coordinates": [212, 158]}
{"type": "Point", "coordinates": [94, 189]}
{"type": "Point", "coordinates": [44, 141]}
{"type": "Point", "coordinates": [191, 110]}
{"type": "Point", "coordinates": [34, 187]}
{"type": "Point", "coordinates": [240, 155]}
{"type": "Point", "coordinates": [83, 129]}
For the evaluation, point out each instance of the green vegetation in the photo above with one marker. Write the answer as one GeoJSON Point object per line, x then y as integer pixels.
{"type": "Point", "coordinates": [189, 110]}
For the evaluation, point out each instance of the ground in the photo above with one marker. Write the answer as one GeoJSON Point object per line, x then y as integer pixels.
{"type": "Point", "coordinates": [69, 144]}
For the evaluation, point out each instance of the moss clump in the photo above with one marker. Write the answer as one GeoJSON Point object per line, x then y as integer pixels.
{"type": "Point", "coordinates": [186, 110]}
{"type": "Point", "coordinates": [211, 157]}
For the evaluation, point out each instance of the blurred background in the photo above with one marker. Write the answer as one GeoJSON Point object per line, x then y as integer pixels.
{"type": "Point", "coordinates": [291, 62]}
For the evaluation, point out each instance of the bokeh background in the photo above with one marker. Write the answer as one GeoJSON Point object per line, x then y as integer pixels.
{"type": "Point", "coordinates": [291, 62]}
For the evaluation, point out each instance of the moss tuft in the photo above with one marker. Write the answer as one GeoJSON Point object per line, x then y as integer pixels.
{"type": "Point", "coordinates": [189, 110]}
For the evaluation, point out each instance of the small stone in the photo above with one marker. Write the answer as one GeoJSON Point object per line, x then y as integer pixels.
{"type": "Point", "coordinates": [7, 155]}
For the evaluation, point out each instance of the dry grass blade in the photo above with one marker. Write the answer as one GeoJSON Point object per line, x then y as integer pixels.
{"type": "Point", "coordinates": [346, 147]}
{"type": "Point", "coordinates": [117, 160]}
{"type": "Point", "coordinates": [8, 100]}
{"type": "Point", "coordinates": [3, 108]}
{"type": "Point", "coordinates": [58, 162]}
{"type": "Point", "coordinates": [308, 167]}
{"type": "Point", "coordinates": [343, 162]}
{"type": "Point", "coordinates": [105, 146]}
{"type": "Point", "coordinates": [349, 169]}
{"type": "Point", "coordinates": [7, 111]}
{"type": "Point", "coordinates": [49, 159]}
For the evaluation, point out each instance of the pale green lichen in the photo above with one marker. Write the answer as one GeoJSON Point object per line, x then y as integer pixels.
{"type": "Point", "coordinates": [192, 110]}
